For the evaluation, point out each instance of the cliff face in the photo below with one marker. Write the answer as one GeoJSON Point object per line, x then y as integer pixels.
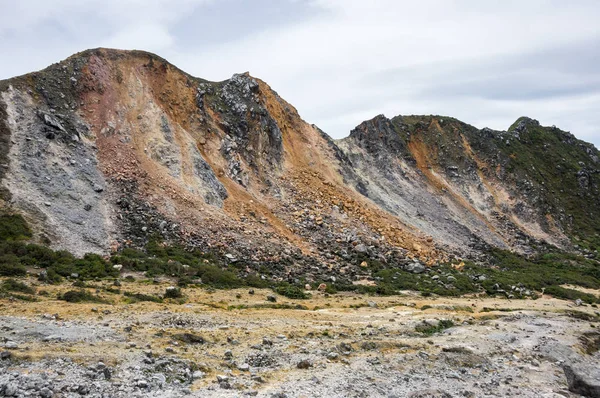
{"type": "Point", "coordinates": [112, 148]}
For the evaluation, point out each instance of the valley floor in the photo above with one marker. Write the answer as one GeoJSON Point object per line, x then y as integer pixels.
{"type": "Point", "coordinates": [230, 343]}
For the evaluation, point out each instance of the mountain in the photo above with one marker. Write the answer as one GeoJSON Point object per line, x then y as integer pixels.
{"type": "Point", "coordinates": [111, 149]}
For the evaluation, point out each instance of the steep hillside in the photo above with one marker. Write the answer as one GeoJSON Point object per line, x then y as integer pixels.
{"type": "Point", "coordinates": [112, 149]}
{"type": "Point", "coordinates": [473, 188]}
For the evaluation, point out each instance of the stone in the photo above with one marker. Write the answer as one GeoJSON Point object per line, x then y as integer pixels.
{"type": "Point", "coordinates": [360, 248]}
{"type": "Point", "coordinates": [583, 379]}
{"type": "Point", "coordinates": [244, 367]}
{"type": "Point", "coordinates": [415, 267]}
{"type": "Point", "coordinates": [271, 298]}
{"type": "Point", "coordinates": [11, 390]}
{"type": "Point", "coordinates": [332, 356]}
{"type": "Point", "coordinates": [429, 394]}
{"type": "Point", "coordinates": [198, 375]}
{"type": "Point", "coordinates": [11, 345]}
{"type": "Point", "coordinates": [222, 378]}
{"type": "Point", "coordinates": [304, 364]}
{"type": "Point", "coordinates": [5, 355]}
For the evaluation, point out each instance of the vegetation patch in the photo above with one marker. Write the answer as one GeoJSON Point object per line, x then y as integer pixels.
{"type": "Point", "coordinates": [429, 329]}
{"type": "Point", "coordinates": [12, 285]}
{"type": "Point", "coordinates": [291, 291]}
{"type": "Point", "coordinates": [136, 297]}
{"type": "Point", "coordinates": [80, 296]}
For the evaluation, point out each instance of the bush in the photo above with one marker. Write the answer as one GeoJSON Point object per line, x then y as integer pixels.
{"type": "Point", "coordinates": [13, 227]}
{"type": "Point", "coordinates": [12, 285]}
{"type": "Point", "coordinates": [173, 293]}
{"type": "Point", "coordinates": [142, 297]}
{"type": "Point", "coordinates": [10, 266]}
{"type": "Point", "coordinates": [79, 296]}
{"type": "Point", "coordinates": [291, 291]}
{"type": "Point", "coordinates": [429, 329]}
{"type": "Point", "coordinates": [570, 294]}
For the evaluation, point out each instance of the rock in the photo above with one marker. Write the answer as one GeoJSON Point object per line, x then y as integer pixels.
{"type": "Point", "coordinates": [11, 390]}
{"type": "Point", "coordinates": [266, 341]}
{"type": "Point", "coordinates": [244, 367]}
{"type": "Point", "coordinates": [322, 287]}
{"type": "Point", "coordinates": [332, 356]}
{"type": "Point", "coordinates": [578, 302]}
{"type": "Point", "coordinates": [307, 287]}
{"type": "Point", "coordinates": [11, 345]}
{"type": "Point", "coordinates": [222, 378]}
{"type": "Point", "coordinates": [304, 364]}
{"type": "Point", "coordinates": [5, 355]}
{"type": "Point", "coordinates": [228, 355]}
{"type": "Point", "coordinates": [198, 375]}
{"type": "Point", "coordinates": [583, 380]}
{"type": "Point", "coordinates": [271, 298]}
{"type": "Point", "coordinates": [429, 394]}
{"type": "Point", "coordinates": [364, 264]}
{"type": "Point", "coordinates": [46, 393]}
{"type": "Point", "coordinates": [360, 248]}
{"type": "Point", "coordinates": [189, 338]}
{"type": "Point", "coordinates": [160, 378]}
{"type": "Point", "coordinates": [415, 267]}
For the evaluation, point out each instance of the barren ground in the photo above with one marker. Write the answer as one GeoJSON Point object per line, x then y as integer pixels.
{"type": "Point", "coordinates": [340, 345]}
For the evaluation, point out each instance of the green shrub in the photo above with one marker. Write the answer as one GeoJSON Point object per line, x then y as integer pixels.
{"type": "Point", "coordinates": [12, 285]}
{"type": "Point", "coordinates": [10, 266]}
{"type": "Point", "coordinates": [291, 291]}
{"type": "Point", "coordinates": [79, 296]}
{"type": "Point", "coordinates": [570, 294]}
{"type": "Point", "coordinates": [173, 293]}
{"type": "Point", "coordinates": [13, 227]}
{"type": "Point", "coordinates": [134, 297]}
{"type": "Point", "coordinates": [428, 329]}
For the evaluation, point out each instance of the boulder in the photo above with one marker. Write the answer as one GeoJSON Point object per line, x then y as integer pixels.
{"type": "Point", "coordinates": [583, 379]}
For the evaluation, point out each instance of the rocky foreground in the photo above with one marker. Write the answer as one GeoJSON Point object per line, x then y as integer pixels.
{"type": "Point", "coordinates": [230, 343]}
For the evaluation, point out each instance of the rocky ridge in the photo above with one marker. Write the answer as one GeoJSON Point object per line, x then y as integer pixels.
{"type": "Point", "coordinates": [110, 149]}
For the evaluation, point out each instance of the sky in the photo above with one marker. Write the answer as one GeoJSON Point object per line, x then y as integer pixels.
{"type": "Point", "coordinates": [340, 62]}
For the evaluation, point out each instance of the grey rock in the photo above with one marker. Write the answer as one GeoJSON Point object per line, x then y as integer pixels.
{"type": "Point", "coordinates": [583, 379]}
{"type": "Point", "coordinates": [222, 378]}
{"type": "Point", "coordinates": [11, 345]}
{"type": "Point", "coordinates": [415, 267]}
{"type": "Point", "coordinates": [244, 367]}
{"type": "Point", "coordinates": [360, 248]}
{"type": "Point", "coordinates": [429, 394]}
{"type": "Point", "coordinates": [304, 364]}
{"type": "Point", "coordinates": [198, 375]}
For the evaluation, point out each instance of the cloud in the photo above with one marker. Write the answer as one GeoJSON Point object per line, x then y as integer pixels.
{"type": "Point", "coordinates": [342, 61]}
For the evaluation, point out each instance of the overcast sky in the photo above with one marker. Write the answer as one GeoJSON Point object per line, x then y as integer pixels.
{"type": "Point", "coordinates": [344, 61]}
